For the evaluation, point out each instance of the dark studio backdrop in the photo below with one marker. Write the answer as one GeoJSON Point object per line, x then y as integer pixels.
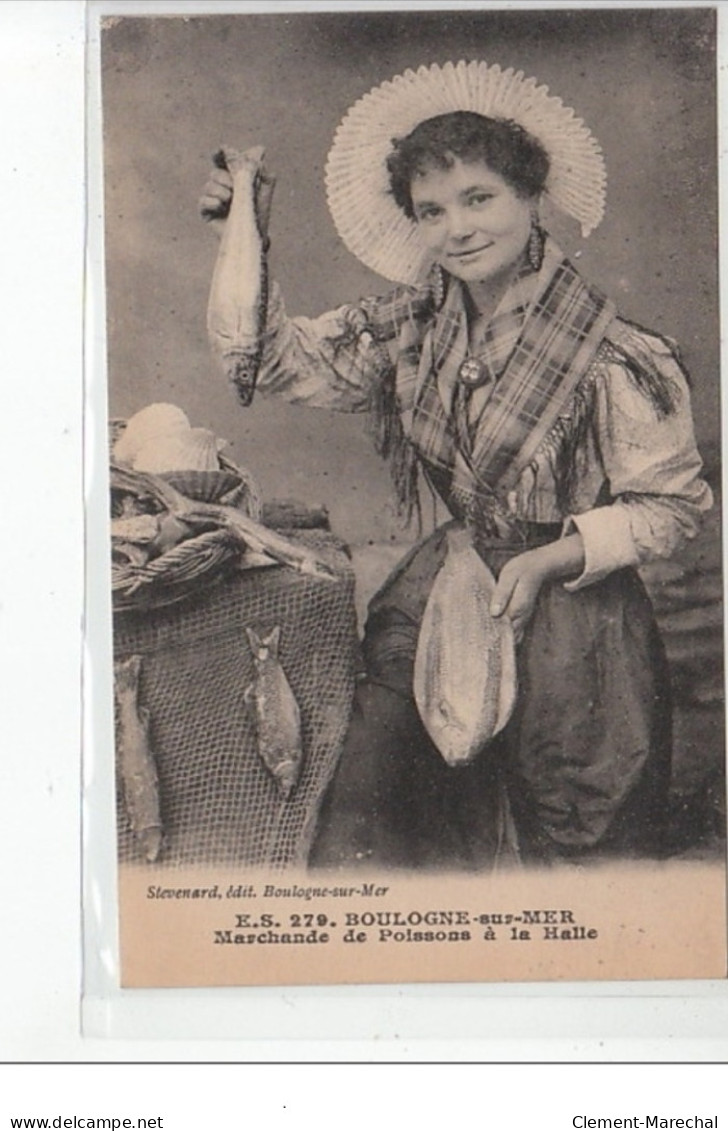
{"type": "Point", "coordinates": [175, 88]}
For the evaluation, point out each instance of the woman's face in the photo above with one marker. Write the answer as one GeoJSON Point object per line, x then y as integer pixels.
{"type": "Point", "coordinates": [472, 221]}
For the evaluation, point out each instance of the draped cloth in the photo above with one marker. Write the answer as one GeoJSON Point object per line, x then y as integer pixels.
{"type": "Point", "coordinates": [538, 346]}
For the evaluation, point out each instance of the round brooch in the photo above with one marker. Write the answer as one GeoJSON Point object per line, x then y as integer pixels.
{"type": "Point", "coordinates": [473, 373]}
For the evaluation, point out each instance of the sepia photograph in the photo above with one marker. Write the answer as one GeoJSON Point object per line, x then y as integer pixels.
{"type": "Point", "coordinates": [413, 365]}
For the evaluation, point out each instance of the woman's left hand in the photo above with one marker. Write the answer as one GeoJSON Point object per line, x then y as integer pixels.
{"type": "Point", "coordinates": [520, 580]}
{"type": "Point", "coordinates": [517, 590]}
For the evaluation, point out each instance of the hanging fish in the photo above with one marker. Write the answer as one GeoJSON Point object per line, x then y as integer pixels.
{"type": "Point", "coordinates": [136, 760]}
{"type": "Point", "coordinates": [465, 664]}
{"type": "Point", "coordinates": [236, 309]}
{"type": "Point", "coordinates": [277, 715]}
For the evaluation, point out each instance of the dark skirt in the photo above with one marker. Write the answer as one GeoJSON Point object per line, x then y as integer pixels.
{"type": "Point", "coordinates": [580, 772]}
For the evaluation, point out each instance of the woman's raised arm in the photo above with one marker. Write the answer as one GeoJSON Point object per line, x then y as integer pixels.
{"type": "Point", "coordinates": [330, 362]}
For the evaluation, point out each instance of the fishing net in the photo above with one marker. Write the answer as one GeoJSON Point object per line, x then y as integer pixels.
{"type": "Point", "coordinates": [219, 803]}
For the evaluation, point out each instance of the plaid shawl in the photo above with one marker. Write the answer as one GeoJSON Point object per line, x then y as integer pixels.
{"type": "Point", "coordinates": [537, 347]}
{"type": "Point", "coordinates": [539, 344]}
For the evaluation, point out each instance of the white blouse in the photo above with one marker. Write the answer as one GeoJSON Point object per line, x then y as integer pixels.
{"type": "Point", "coordinates": [648, 462]}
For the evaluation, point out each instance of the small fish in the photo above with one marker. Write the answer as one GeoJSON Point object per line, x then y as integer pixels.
{"type": "Point", "coordinates": [465, 664]}
{"type": "Point", "coordinates": [236, 309]}
{"type": "Point", "coordinates": [139, 529]}
{"type": "Point", "coordinates": [195, 513]}
{"type": "Point", "coordinates": [136, 760]}
{"type": "Point", "coordinates": [277, 715]}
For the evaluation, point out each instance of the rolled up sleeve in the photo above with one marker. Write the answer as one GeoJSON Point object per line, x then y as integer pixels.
{"type": "Point", "coordinates": [317, 362]}
{"type": "Point", "coordinates": [653, 471]}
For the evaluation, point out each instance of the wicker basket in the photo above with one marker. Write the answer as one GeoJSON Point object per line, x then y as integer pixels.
{"type": "Point", "coordinates": [176, 574]}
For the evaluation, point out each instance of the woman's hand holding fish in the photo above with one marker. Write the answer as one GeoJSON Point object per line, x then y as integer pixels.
{"type": "Point", "coordinates": [217, 193]}
{"type": "Point", "coordinates": [215, 200]}
{"type": "Point", "coordinates": [516, 592]}
{"type": "Point", "coordinates": [520, 580]}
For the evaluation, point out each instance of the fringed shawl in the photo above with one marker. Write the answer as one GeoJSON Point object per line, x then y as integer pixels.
{"type": "Point", "coordinates": [538, 350]}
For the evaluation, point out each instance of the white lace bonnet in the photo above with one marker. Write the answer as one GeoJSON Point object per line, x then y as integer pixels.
{"type": "Point", "coordinates": [372, 225]}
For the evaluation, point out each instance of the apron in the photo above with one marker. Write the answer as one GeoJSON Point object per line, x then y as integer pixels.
{"type": "Point", "coordinates": [580, 772]}
{"type": "Point", "coordinates": [582, 768]}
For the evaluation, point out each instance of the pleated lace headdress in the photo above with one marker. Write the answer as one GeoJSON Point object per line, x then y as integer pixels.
{"type": "Point", "coordinates": [366, 217]}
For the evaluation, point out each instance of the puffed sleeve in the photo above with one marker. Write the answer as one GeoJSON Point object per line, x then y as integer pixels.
{"type": "Point", "coordinates": [644, 432]}
{"type": "Point", "coordinates": [327, 362]}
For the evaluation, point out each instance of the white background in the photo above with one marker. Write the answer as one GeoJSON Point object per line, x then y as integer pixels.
{"type": "Point", "coordinates": [41, 607]}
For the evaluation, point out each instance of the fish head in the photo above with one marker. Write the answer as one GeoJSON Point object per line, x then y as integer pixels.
{"type": "Point", "coordinates": [447, 716]}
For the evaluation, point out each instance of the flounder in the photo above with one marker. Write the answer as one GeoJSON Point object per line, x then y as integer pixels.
{"type": "Point", "coordinates": [465, 664]}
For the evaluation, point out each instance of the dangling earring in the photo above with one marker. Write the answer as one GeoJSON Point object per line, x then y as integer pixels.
{"type": "Point", "coordinates": [535, 244]}
{"type": "Point", "coordinates": [438, 286]}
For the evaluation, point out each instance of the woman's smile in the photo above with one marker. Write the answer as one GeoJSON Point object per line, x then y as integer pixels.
{"type": "Point", "coordinates": [466, 255]}
{"type": "Point", "coordinates": [473, 222]}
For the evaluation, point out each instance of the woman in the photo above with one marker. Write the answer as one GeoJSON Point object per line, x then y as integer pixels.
{"type": "Point", "coordinates": [557, 432]}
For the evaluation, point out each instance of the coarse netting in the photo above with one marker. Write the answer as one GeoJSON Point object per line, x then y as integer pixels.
{"type": "Point", "coordinates": [219, 802]}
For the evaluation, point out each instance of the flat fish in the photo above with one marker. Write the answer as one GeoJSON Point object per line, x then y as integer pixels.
{"type": "Point", "coordinates": [277, 714]}
{"type": "Point", "coordinates": [238, 294]}
{"type": "Point", "coordinates": [136, 761]}
{"type": "Point", "coordinates": [465, 663]}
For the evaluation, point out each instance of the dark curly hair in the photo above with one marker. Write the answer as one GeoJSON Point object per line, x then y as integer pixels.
{"type": "Point", "coordinates": [504, 146]}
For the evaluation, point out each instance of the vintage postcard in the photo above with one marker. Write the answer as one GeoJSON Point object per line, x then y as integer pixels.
{"type": "Point", "coordinates": [413, 364]}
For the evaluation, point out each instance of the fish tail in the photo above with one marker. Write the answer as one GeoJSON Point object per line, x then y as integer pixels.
{"type": "Point", "coordinates": [127, 672]}
{"type": "Point", "coordinates": [233, 160]}
{"type": "Point", "coordinates": [253, 638]}
{"type": "Point", "coordinates": [272, 640]}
